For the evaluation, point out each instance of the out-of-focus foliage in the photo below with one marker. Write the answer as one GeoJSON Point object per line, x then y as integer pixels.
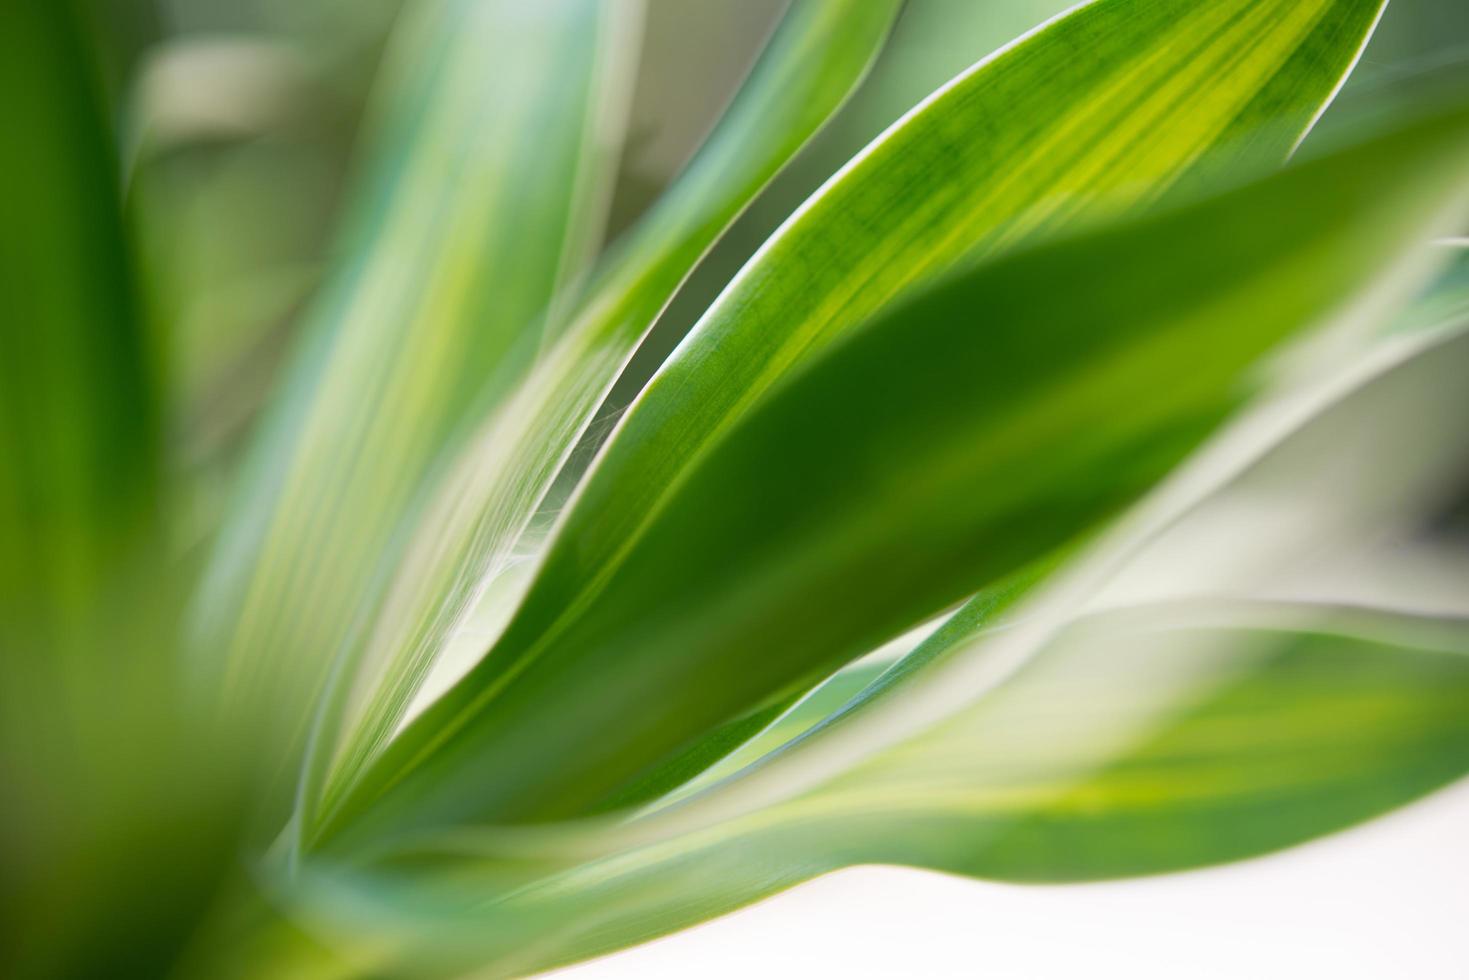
{"type": "Point", "coordinates": [1046, 484]}
{"type": "Point", "coordinates": [481, 199]}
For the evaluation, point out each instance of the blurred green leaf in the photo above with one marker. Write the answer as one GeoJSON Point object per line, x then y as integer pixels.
{"type": "Point", "coordinates": [77, 415]}
{"type": "Point", "coordinates": [94, 770]}
{"type": "Point", "coordinates": [799, 542]}
{"type": "Point", "coordinates": [493, 137]}
{"type": "Point", "coordinates": [817, 55]}
{"type": "Point", "coordinates": [1444, 303]}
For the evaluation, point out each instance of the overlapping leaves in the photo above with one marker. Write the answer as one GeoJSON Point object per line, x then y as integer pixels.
{"type": "Point", "coordinates": [1003, 324]}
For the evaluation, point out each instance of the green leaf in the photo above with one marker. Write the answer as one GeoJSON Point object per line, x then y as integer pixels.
{"type": "Point", "coordinates": [492, 138]}
{"type": "Point", "coordinates": [78, 419]}
{"type": "Point", "coordinates": [93, 768]}
{"type": "Point", "coordinates": [497, 894]}
{"type": "Point", "coordinates": [1131, 746]}
{"type": "Point", "coordinates": [818, 54]}
{"type": "Point", "coordinates": [860, 500]}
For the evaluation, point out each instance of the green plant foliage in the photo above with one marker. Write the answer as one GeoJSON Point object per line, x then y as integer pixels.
{"type": "Point", "coordinates": [1313, 474]}
{"type": "Point", "coordinates": [1018, 419]}
{"type": "Point", "coordinates": [1159, 85]}
{"type": "Point", "coordinates": [1289, 717]}
{"type": "Point", "coordinates": [927, 195]}
{"type": "Point", "coordinates": [1072, 487]}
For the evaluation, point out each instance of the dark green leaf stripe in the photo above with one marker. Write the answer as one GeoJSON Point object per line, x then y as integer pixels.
{"type": "Point", "coordinates": [78, 423]}
{"type": "Point", "coordinates": [90, 757]}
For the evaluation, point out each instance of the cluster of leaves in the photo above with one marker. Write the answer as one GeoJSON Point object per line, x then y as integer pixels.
{"type": "Point", "coordinates": [1010, 360]}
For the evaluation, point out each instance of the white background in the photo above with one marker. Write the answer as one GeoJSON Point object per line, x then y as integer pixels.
{"type": "Point", "coordinates": [1385, 901]}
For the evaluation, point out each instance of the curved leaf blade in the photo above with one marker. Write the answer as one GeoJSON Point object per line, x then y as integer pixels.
{"type": "Point", "coordinates": [479, 200]}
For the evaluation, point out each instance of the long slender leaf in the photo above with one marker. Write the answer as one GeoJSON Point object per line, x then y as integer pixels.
{"type": "Point", "coordinates": [77, 415]}
{"type": "Point", "coordinates": [494, 135]}
{"type": "Point", "coordinates": [858, 501]}
{"type": "Point", "coordinates": [91, 764]}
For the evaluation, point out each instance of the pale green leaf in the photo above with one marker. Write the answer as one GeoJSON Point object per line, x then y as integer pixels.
{"type": "Point", "coordinates": [1444, 304]}
{"type": "Point", "coordinates": [818, 54]}
{"type": "Point", "coordinates": [491, 140]}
